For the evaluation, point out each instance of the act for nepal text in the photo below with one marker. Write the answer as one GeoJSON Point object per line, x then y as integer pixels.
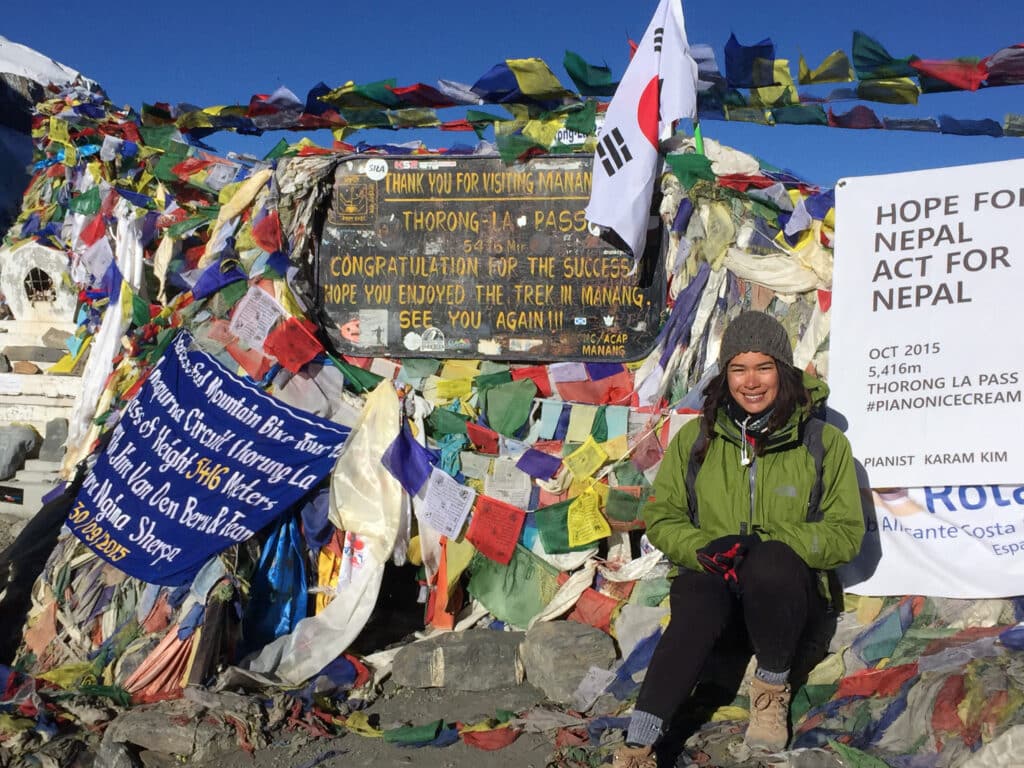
{"type": "Point", "coordinates": [902, 252]}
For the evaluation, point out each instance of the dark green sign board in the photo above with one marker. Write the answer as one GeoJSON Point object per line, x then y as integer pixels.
{"type": "Point", "coordinates": [466, 257]}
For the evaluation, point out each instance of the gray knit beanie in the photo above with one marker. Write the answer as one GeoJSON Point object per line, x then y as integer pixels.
{"type": "Point", "coordinates": [755, 332]}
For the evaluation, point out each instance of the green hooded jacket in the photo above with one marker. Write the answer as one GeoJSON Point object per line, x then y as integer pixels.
{"type": "Point", "coordinates": [769, 496]}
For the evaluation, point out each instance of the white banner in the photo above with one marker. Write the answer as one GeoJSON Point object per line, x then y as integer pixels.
{"type": "Point", "coordinates": [952, 541]}
{"type": "Point", "coordinates": [926, 344]}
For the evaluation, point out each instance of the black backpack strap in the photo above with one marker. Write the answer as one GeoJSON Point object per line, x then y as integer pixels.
{"type": "Point", "coordinates": [813, 442]}
{"type": "Point", "coordinates": [692, 468]}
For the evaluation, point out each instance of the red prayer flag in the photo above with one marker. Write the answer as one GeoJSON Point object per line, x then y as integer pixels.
{"type": "Point", "coordinates": [94, 230]}
{"type": "Point", "coordinates": [483, 438]}
{"type": "Point", "coordinates": [876, 682]}
{"type": "Point", "coordinates": [614, 390]}
{"type": "Point", "coordinates": [539, 374]}
{"type": "Point", "coordinates": [495, 527]}
{"type": "Point", "coordinates": [860, 117]}
{"type": "Point", "coordinates": [293, 343]}
{"type": "Point", "coordinates": [967, 75]}
{"type": "Point", "coordinates": [499, 738]}
{"type": "Point", "coordinates": [267, 232]}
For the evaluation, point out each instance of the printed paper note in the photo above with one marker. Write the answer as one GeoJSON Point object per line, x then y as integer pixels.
{"type": "Point", "coordinates": [254, 316]}
{"type": "Point", "coordinates": [508, 483]}
{"type": "Point", "coordinates": [446, 503]}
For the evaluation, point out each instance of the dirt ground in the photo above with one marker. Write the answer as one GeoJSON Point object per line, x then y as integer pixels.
{"type": "Point", "coordinates": [417, 707]}
{"type": "Point", "coordinates": [392, 707]}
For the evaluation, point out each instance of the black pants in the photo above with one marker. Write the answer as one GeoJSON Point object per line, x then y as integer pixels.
{"type": "Point", "coordinates": [779, 606]}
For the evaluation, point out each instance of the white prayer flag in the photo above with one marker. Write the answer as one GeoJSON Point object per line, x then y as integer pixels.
{"type": "Point", "coordinates": [658, 88]}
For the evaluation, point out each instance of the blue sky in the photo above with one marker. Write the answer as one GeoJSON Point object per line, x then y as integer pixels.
{"type": "Point", "coordinates": [223, 51]}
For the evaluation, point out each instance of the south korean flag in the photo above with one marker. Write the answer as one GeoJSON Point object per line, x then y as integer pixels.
{"type": "Point", "coordinates": [658, 88]}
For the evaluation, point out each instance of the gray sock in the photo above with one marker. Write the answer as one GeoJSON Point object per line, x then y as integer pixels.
{"type": "Point", "coordinates": [772, 678]}
{"type": "Point", "coordinates": [644, 729]}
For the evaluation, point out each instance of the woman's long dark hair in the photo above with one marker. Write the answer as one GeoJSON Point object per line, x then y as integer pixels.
{"type": "Point", "coordinates": [792, 395]}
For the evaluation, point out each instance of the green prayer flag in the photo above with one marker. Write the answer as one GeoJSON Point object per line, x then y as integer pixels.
{"type": "Point", "coordinates": [232, 293]}
{"type": "Point", "coordinates": [690, 168]}
{"type": "Point", "coordinates": [159, 136]}
{"type": "Point", "coordinates": [173, 154]}
{"type": "Point", "coordinates": [583, 120]}
{"type": "Point", "coordinates": [88, 203]}
{"type": "Point", "coordinates": [140, 310]}
{"type": "Point", "coordinates": [277, 150]}
{"type": "Point", "coordinates": [491, 380]}
{"type": "Point", "coordinates": [413, 734]}
{"type": "Point", "coordinates": [360, 379]}
{"type": "Point", "coordinates": [553, 527]}
{"type": "Point", "coordinates": [366, 118]}
{"type": "Point", "coordinates": [509, 405]}
{"type": "Point", "coordinates": [163, 340]}
{"type": "Point", "coordinates": [599, 427]}
{"type": "Point", "coordinates": [872, 62]}
{"type": "Point", "coordinates": [627, 474]}
{"type": "Point", "coordinates": [444, 422]}
{"type": "Point", "coordinates": [515, 146]}
{"type": "Point", "coordinates": [800, 114]}
{"type": "Point", "coordinates": [414, 368]}
{"type": "Point", "coordinates": [854, 758]}
{"type": "Point", "coordinates": [516, 592]}
{"type": "Point", "coordinates": [650, 592]}
{"type": "Point", "coordinates": [808, 697]}
{"type": "Point", "coordinates": [589, 79]}
{"type": "Point", "coordinates": [622, 506]}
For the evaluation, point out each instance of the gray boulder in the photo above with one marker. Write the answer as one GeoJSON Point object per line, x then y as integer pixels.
{"type": "Point", "coordinates": [558, 654]}
{"type": "Point", "coordinates": [474, 660]}
{"type": "Point", "coordinates": [17, 443]}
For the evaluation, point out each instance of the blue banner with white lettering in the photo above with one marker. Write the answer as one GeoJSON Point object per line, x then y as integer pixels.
{"type": "Point", "coordinates": [199, 460]}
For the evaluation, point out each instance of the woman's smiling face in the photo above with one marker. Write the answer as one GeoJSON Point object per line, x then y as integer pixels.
{"type": "Point", "coordinates": [753, 381]}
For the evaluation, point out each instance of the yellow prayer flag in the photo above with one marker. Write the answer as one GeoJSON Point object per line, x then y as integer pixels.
{"type": "Point", "coordinates": [489, 724]}
{"type": "Point", "coordinates": [460, 369]}
{"type": "Point", "coordinates": [730, 713]}
{"type": "Point", "coordinates": [70, 155]}
{"type": "Point", "coordinates": [585, 460]}
{"type": "Point", "coordinates": [67, 363]}
{"type": "Point", "coordinates": [287, 299]}
{"type": "Point", "coordinates": [69, 675]}
{"type": "Point", "coordinates": [543, 131]}
{"type": "Point", "coordinates": [535, 78]}
{"type": "Point", "coordinates": [143, 184]}
{"type": "Point", "coordinates": [95, 171]}
{"type": "Point", "coordinates": [449, 389]}
{"type": "Point", "coordinates": [359, 722]}
{"type": "Point", "coordinates": [616, 448]}
{"type": "Point", "coordinates": [834, 69]}
{"type": "Point", "coordinates": [59, 131]}
{"type": "Point", "coordinates": [459, 554]}
{"type": "Point", "coordinates": [781, 93]}
{"type": "Point", "coordinates": [585, 521]}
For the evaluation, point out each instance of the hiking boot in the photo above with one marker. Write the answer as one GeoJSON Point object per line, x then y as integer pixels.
{"type": "Point", "coordinates": [769, 716]}
{"type": "Point", "coordinates": [634, 757]}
